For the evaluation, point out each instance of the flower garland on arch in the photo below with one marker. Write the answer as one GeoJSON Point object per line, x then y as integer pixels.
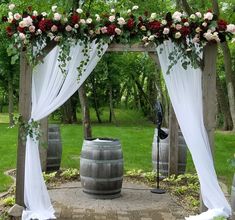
{"type": "Point", "coordinates": [32, 28]}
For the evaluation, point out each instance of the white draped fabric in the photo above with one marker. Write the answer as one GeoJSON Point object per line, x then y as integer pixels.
{"type": "Point", "coordinates": [50, 89]}
{"type": "Point", "coordinates": [185, 91]}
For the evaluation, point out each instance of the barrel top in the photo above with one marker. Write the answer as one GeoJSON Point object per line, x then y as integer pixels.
{"type": "Point", "coordinates": [105, 142]}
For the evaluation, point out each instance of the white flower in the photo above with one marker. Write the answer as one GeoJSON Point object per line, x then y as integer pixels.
{"type": "Point", "coordinates": [112, 18]}
{"type": "Point", "coordinates": [212, 29]}
{"type": "Point", "coordinates": [151, 37]}
{"type": "Point", "coordinates": [112, 10]}
{"type": "Point", "coordinates": [17, 16]}
{"type": "Point", "coordinates": [97, 31]}
{"type": "Point", "coordinates": [164, 22]}
{"type": "Point", "coordinates": [50, 35]}
{"type": "Point", "coordinates": [65, 20]}
{"type": "Point", "coordinates": [143, 28]}
{"type": "Point", "coordinates": [199, 15]}
{"type": "Point", "coordinates": [38, 32]}
{"type": "Point", "coordinates": [57, 38]}
{"type": "Point", "coordinates": [145, 38]}
{"type": "Point", "coordinates": [54, 28]}
{"type": "Point", "coordinates": [192, 16]}
{"type": "Point", "coordinates": [10, 14]}
{"type": "Point", "coordinates": [196, 40]}
{"type": "Point", "coordinates": [35, 13]}
{"type": "Point", "coordinates": [177, 35]}
{"type": "Point", "coordinates": [186, 24]}
{"type": "Point", "coordinates": [91, 32]}
{"type": "Point", "coordinates": [204, 24]}
{"type": "Point", "coordinates": [22, 36]}
{"type": "Point", "coordinates": [11, 6]}
{"type": "Point", "coordinates": [231, 28]}
{"type": "Point", "coordinates": [198, 30]}
{"type": "Point", "coordinates": [44, 14]}
{"type": "Point", "coordinates": [76, 26]}
{"type": "Point", "coordinates": [153, 16]}
{"type": "Point", "coordinates": [104, 30]}
{"type": "Point", "coordinates": [178, 26]}
{"type": "Point", "coordinates": [82, 21]}
{"type": "Point", "coordinates": [79, 11]}
{"type": "Point", "coordinates": [135, 7]}
{"type": "Point", "coordinates": [22, 24]}
{"type": "Point", "coordinates": [10, 19]}
{"type": "Point", "coordinates": [166, 31]}
{"type": "Point", "coordinates": [177, 16]}
{"type": "Point", "coordinates": [209, 36]}
{"type": "Point", "coordinates": [118, 31]}
{"type": "Point", "coordinates": [128, 11]}
{"type": "Point", "coordinates": [68, 28]}
{"type": "Point", "coordinates": [31, 29]}
{"type": "Point", "coordinates": [28, 21]}
{"type": "Point", "coordinates": [88, 20]}
{"type": "Point", "coordinates": [121, 21]}
{"type": "Point", "coordinates": [173, 25]}
{"type": "Point", "coordinates": [53, 8]}
{"type": "Point", "coordinates": [208, 16]}
{"type": "Point", "coordinates": [57, 16]}
{"type": "Point", "coordinates": [97, 17]}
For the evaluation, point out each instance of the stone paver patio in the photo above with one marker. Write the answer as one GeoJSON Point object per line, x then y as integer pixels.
{"type": "Point", "coordinates": [135, 203]}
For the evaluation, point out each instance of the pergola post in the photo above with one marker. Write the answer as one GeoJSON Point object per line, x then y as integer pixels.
{"type": "Point", "coordinates": [209, 95]}
{"type": "Point", "coordinates": [25, 88]}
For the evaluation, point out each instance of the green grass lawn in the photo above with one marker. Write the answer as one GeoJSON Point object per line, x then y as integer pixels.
{"type": "Point", "coordinates": [135, 134]}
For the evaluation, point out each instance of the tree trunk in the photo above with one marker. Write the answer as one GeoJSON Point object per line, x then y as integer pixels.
{"type": "Point", "coordinates": [67, 115]}
{"type": "Point", "coordinates": [112, 116]}
{"type": "Point", "coordinates": [85, 112]}
{"type": "Point", "coordinates": [10, 99]}
{"type": "Point", "coordinates": [222, 99]}
{"type": "Point", "coordinates": [229, 80]}
{"type": "Point", "coordinates": [186, 7]}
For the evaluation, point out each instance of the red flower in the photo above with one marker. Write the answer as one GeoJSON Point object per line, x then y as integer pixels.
{"type": "Point", "coordinates": [75, 18]}
{"type": "Point", "coordinates": [184, 20]}
{"type": "Point", "coordinates": [34, 17]}
{"type": "Point", "coordinates": [111, 29]}
{"type": "Point", "coordinates": [20, 29]}
{"type": "Point", "coordinates": [209, 10]}
{"type": "Point", "coordinates": [185, 31]}
{"type": "Point", "coordinates": [45, 24]}
{"type": "Point", "coordinates": [154, 25]}
{"type": "Point", "coordinates": [222, 25]}
{"type": "Point", "coordinates": [9, 31]}
{"type": "Point", "coordinates": [130, 23]}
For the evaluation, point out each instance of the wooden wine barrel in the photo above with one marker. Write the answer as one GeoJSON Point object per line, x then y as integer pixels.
{"type": "Point", "coordinates": [233, 194]}
{"type": "Point", "coordinates": [54, 150]}
{"type": "Point", "coordinates": [164, 154]}
{"type": "Point", "coordinates": [101, 168]}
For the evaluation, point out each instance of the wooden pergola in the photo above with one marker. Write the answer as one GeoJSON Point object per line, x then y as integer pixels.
{"type": "Point", "coordinates": [209, 104]}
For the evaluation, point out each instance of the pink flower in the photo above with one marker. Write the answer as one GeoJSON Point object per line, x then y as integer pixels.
{"type": "Point", "coordinates": [112, 18]}
{"type": "Point", "coordinates": [22, 36]}
{"type": "Point", "coordinates": [57, 38]}
{"type": "Point", "coordinates": [17, 16]}
{"type": "Point", "coordinates": [68, 28]}
{"type": "Point", "coordinates": [54, 28]}
{"type": "Point", "coordinates": [178, 26]}
{"type": "Point", "coordinates": [231, 28]}
{"type": "Point", "coordinates": [31, 29]}
{"type": "Point", "coordinates": [166, 31]}
{"type": "Point", "coordinates": [57, 16]}
{"type": "Point", "coordinates": [118, 31]}
{"type": "Point", "coordinates": [208, 16]}
{"type": "Point", "coordinates": [104, 30]}
{"type": "Point", "coordinates": [121, 21]}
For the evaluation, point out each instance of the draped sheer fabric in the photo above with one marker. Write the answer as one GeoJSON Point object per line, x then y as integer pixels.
{"type": "Point", "coordinates": [51, 89]}
{"type": "Point", "coordinates": [185, 91]}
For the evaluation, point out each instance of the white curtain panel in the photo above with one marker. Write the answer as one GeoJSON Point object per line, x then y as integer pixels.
{"type": "Point", "coordinates": [50, 89]}
{"type": "Point", "coordinates": [185, 91]}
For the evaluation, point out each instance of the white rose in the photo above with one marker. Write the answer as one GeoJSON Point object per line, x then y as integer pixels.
{"type": "Point", "coordinates": [208, 16]}
{"type": "Point", "coordinates": [208, 35]}
{"type": "Point", "coordinates": [153, 16]}
{"type": "Point", "coordinates": [11, 6]}
{"type": "Point", "coordinates": [31, 29]}
{"type": "Point", "coordinates": [143, 28]}
{"type": "Point", "coordinates": [135, 7]}
{"type": "Point", "coordinates": [50, 35]}
{"type": "Point", "coordinates": [112, 18]}
{"type": "Point", "coordinates": [231, 28]}
{"type": "Point", "coordinates": [97, 31]}
{"type": "Point", "coordinates": [112, 10]}
{"type": "Point", "coordinates": [121, 21]}
{"type": "Point", "coordinates": [68, 28]}
{"type": "Point", "coordinates": [82, 21]}
{"type": "Point", "coordinates": [164, 22]}
{"type": "Point", "coordinates": [192, 16]}
{"type": "Point", "coordinates": [177, 16]}
{"type": "Point", "coordinates": [166, 31]}
{"type": "Point", "coordinates": [76, 26]}
{"type": "Point", "coordinates": [145, 38]}
{"type": "Point", "coordinates": [88, 20]}
{"type": "Point", "coordinates": [204, 24]}
{"type": "Point", "coordinates": [22, 24]}
{"type": "Point", "coordinates": [35, 13]}
{"type": "Point", "coordinates": [104, 30]}
{"type": "Point", "coordinates": [199, 15]}
{"type": "Point", "coordinates": [38, 32]}
{"type": "Point", "coordinates": [10, 14]}
{"type": "Point", "coordinates": [17, 16]}
{"type": "Point", "coordinates": [198, 30]}
{"type": "Point", "coordinates": [28, 21]}
{"type": "Point", "coordinates": [178, 26]}
{"type": "Point", "coordinates": [10, 19]}
{"type": "Point", "coordinates": [177, 35]}
{"type": "Point", "coordinates": [186, 24]}
{"type": "Point", "coordinates": [151, 38]}
{"type": "Point", "coordinates": [57, 17]}
{"type": "Point", "coordinates": [118, 31]}
{"type": "Point", "coordinates": [44, 14]}
{"type": "Point", "coordinates": [53, 8]}
{"type": "Point", "coordinates": [128, 11]}
{"type": "Point", "coordinates": [79, 11]}
{"type": "Point", "coordinates": [97, 17]}
{"type": "Point", "coordinates": [22, 36]}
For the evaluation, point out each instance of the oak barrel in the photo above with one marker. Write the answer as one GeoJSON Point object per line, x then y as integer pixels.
{"type": "Point", "coordinates": [101, 168]}
{"type": "Point", "coordinates": [54, 150]}
{"type": "Point", "coordinates": [164, 154]}
{"type": "Point", "coordinates": [233, 194]}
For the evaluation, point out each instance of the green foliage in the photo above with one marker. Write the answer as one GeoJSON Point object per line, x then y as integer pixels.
{"type": "Point", "coordinates": [49, 177]}
{"type": "Point", "coordinates": [9, 201]}
{"type": "Point", "coordinates": [70, 174]}
{"type": "Point", "coordinates": [220, 218]}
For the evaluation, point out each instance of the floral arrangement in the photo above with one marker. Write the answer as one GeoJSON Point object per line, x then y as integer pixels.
{"type": "Point", "coordinates": [29, 28]}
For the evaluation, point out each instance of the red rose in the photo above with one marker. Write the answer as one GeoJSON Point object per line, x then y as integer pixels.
{"type": "Point", "coordinates": [20, 29]}
{"type": "Point", "coordinates": [111, 29]}
{"type": "Point", "coordinates": [184, 20]}
{"type": "Point", "coordinates": [154, 25]}
{"type": "Point", "coordinates": [45, 24]}
{"type": "Point", "coordinates": [222, 25]}
{"type": "Point", "coordinates": [185, 31]}
{"type": "Point", "coordinates": [9, 31]}
{"type": "Point", "coordinates": [130, 23]}
{"type": "Point", "coordinates": [34, 17]}
{"type": "Point", "coordinates": [75, 18]}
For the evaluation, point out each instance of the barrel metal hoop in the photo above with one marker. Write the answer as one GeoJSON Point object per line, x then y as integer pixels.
{"type": "Point", "coordinates": [102, 179]}
{"type": "Point", "coordinates": [116, 161]}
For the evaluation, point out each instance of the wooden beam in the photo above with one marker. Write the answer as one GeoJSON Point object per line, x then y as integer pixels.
{"type": "Point", "coordinates": [25, 88]}
{"type": "Point", "coordinates": [209, 95]}
{"type": "Point", "coordinates": [173, 143]}
{"type": "Point", "coordinates": [47, 49]}
{"type": "Point", "coordinates": [114, 47]}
